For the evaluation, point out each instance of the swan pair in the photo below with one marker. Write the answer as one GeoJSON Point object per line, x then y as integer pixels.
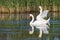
{"type": "Point", "coordinates": [40, 23]}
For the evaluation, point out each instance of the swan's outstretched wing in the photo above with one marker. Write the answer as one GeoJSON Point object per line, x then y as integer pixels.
{"type": "Point", "coordinates": [44, 14]}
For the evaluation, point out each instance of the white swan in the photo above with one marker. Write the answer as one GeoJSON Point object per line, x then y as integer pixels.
{"type": "Point", "coordinates": [41, 25]}
{"type": "Point", "coordinates": [40, 22]}
{"type": "Point", "coordinates": [42, 15]}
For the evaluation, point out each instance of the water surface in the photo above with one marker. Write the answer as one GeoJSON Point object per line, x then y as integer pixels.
{"type": "Point", "coordinates": [15, 27]}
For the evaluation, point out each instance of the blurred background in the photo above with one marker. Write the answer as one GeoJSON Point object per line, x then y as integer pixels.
{"type": "Point", "coordinates": [14, 22]}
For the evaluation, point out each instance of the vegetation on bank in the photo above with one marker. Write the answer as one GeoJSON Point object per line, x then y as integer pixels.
{"type": "Point", "coordinates": [14, 6]}
{"type": "Point", "coordinates": [28, 5]}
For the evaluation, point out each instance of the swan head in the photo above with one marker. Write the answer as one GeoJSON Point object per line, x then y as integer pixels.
{"type": "Point", "coordinates": [40, 7]}
{"type": "Point", "coordinates": [30, 15]}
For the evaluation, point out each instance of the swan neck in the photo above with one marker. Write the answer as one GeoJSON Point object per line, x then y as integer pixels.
{"type": "Point", "coordinates": [40, 10]}
{"type": "Point", "coordinates": [32, 19]}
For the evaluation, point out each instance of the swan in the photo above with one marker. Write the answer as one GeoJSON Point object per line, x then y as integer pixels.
{"type": "Point", "coordinates": [42, 15]}
{"type": "Point", "coordinates": [41, 25]}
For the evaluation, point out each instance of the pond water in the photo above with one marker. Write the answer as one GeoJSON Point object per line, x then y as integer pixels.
{"type": "Point", "coordinates": [15, 27]}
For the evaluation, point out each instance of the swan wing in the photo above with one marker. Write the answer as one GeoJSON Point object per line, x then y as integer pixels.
{"type": "Point", "coordinates": [44, 14]}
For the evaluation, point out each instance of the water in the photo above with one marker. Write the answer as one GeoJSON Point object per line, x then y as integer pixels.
{"type": "Point", "coordinates": [16, 28]}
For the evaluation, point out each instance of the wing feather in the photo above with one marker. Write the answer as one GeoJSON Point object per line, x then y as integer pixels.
{"type": "Point", "coordinates": [44, 14]}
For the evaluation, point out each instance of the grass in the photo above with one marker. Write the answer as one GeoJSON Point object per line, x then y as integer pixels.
{"type": "Point", "coordinates": [25, 5]}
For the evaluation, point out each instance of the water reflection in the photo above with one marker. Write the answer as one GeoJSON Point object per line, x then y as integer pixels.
{"type": "Point", "coordinates": [16, 28]}
{"type": "Point", "coordinates": [56, 38]}
{"type": "Point", "coordinates": [21, 32]}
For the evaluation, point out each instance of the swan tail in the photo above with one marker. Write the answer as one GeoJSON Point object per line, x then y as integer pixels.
{"type": "Point", "coordinates": [48, 22]}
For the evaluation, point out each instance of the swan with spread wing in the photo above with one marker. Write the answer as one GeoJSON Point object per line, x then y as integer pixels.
{"type": "Point", "coordinates": [42, 15]}
{"type": "Point", "coordinates": [40, 23]}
